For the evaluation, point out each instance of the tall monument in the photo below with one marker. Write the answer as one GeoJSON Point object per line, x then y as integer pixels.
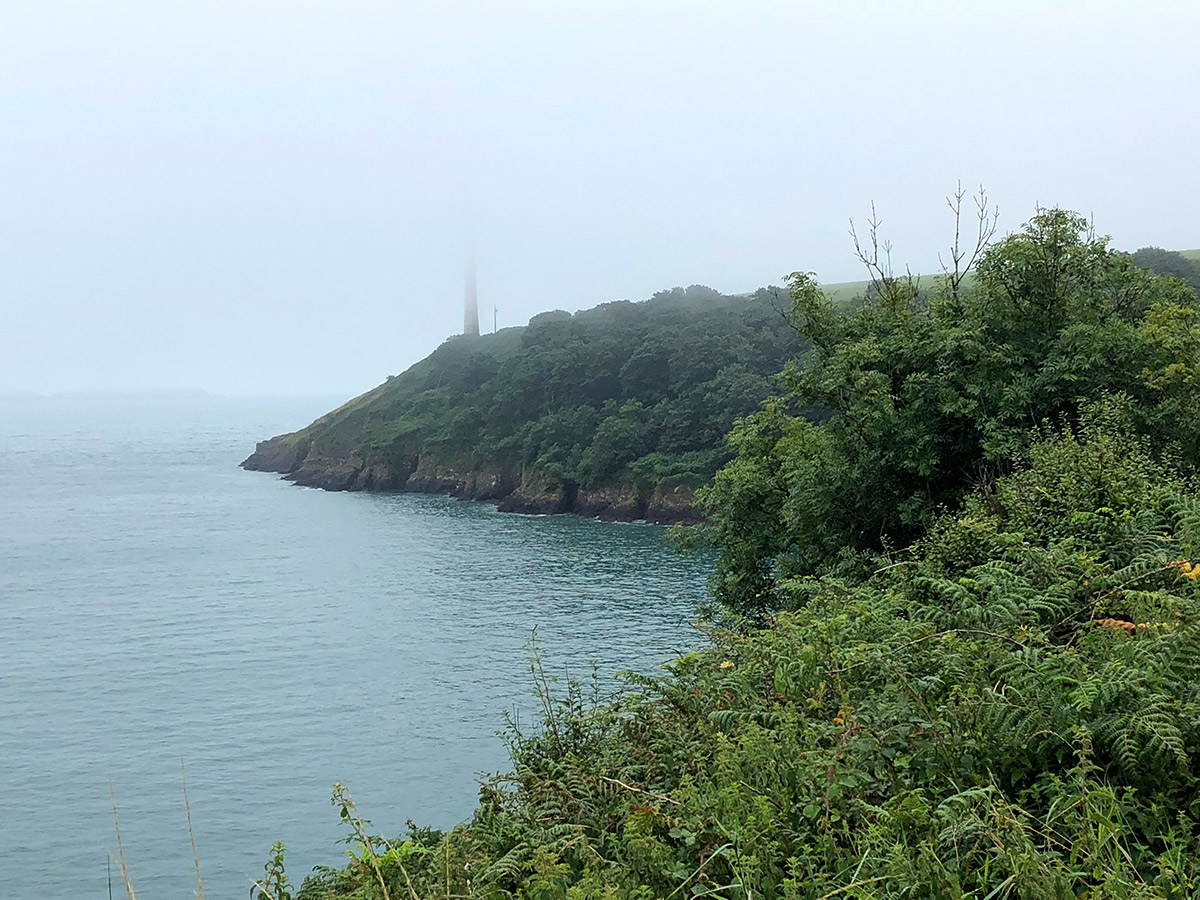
{"type": "Point", "coordinates": [471, 305]}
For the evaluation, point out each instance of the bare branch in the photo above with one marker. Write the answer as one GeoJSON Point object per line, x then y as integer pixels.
{"type": "Point", "coordinates": [962, 260]}
{"type": "Point", "coordinates": [629, 787]}
{"type": "Point", "coordinates": [871, 261]}
{"type": "Point", "coordinates": [955, 204]}
{"type": "Point", "coordinates": [882, 280]}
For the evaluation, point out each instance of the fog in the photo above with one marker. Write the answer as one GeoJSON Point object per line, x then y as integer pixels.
{"type": "Point", "coordinates": [259, 197]}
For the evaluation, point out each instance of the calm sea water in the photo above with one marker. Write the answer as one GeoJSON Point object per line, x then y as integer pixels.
{"type": "Point", "coordinates": [156, 602]}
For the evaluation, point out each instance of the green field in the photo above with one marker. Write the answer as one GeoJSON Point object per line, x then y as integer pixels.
{"type": "Point", "coordinates": [845, 290]}
{"type": "Point", "coordinates": [848, 290]}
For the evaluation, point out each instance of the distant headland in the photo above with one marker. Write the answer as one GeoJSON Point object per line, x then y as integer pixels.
{"type": "Point", "coordinates": [618, 412]}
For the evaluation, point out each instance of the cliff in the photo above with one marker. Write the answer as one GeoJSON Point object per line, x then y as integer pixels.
{"type": "Point", "coordinates": [667, 503]}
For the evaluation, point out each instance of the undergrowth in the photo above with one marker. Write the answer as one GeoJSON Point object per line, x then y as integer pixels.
{"type": "Point", "coordinates": [1009, 709]}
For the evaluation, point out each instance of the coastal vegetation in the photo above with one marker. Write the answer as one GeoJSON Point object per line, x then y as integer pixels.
{"type": "Point", "coordinates": [1184, 265]}
{"type": "Point", "coordinates": [927, 395]}
{"type": "Point", "coordinates": [618, 411]}
{"type": "Point", "coordinates": [958, 645]}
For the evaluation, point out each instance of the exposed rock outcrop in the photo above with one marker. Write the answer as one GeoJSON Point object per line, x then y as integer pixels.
{"type": "Point", "coordinates": [282, 454]}
{"type": "Point", "coordinates": [484, 483]}
{"type": "Point", "coordinates": [674, 502]}
{"type": "Point", "coordinates": [509, 488]}
{"type": "Point", "coordinates": [620, 502]}
{"type": "Point", "coordinates": [539, 496]}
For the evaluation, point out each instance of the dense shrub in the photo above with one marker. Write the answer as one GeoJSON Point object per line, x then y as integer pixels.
{"type": "Point", "coordinates": [973, 586]}
{"type": "Point", "coordinates": [1010, 709]}
{"type": "Point", "coordinates": [927, 392]}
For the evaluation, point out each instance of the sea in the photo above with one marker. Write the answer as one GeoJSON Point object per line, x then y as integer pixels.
{"type": "Point", "coordinates": [164, 612]}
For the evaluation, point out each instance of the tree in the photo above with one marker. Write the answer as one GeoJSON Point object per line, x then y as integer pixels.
{"type": "Point", "coordinates": [1169, 263]}
{"type": "Point", "coordinates": [929, 392]}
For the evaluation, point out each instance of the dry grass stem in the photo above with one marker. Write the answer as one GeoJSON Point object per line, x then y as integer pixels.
{"type": "Point", "coordinates": [191, 835]}
{"type": "Point", "coordinates": [120, 849]}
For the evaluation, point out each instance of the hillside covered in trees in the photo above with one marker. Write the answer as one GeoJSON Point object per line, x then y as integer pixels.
{"type": "Point", "coordinates": [958, 648]}
{"type": "Point", "coordinates": [618, 411]}
{"type": "Point", "coordinates": [1184, 265]}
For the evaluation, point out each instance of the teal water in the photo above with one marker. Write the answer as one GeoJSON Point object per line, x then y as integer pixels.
{"type": "Point", "coordinates": [156, 602]}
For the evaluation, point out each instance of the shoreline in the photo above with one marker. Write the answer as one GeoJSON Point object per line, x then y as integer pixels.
{"type": "Point", "coordinates": [511, 490]}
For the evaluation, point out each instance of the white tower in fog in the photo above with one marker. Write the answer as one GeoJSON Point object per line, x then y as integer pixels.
{"type": "Point", "coordinates": [471, 301]}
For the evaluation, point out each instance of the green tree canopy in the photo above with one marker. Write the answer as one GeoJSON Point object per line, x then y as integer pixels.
{"type": "Point", "coordinates": [619, 393]}
{"type": "Point", "coordinates": [1170, 263]}
{"type": "Point", "coordinates": [927, 393]}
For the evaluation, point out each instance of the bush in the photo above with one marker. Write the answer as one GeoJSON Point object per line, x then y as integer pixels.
{"type": "Point", "coordinates": [1010, 709]}
{"type": "Point", "coordinates": [923, 398]}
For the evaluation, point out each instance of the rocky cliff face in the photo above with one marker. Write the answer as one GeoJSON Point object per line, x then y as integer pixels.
{"type": "Point", "coordinates": [482, 483]}
{"type": "Point", "coordinates": [674, 502]}
{"type": "Point", "coordinates": [510, 489]}
{"type": "Point", "coordinates": [291, 458]}
{"type": "Point", "coordinates": [280, 454]}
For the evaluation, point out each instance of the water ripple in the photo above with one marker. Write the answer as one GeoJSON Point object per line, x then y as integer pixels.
{"type": "Point", "coordinates": [157, 602]}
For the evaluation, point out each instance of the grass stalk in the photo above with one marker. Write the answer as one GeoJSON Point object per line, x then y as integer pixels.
{"type": "Point", "coordinates": [120, 849]}
{"type": "Point", "coordinates": [191, 834]}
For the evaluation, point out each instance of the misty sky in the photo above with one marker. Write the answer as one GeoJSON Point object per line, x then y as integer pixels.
{"type": "Point", "coordinates": [275, 197]}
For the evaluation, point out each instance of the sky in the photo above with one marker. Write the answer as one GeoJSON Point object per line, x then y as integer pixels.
{"type": "Point", "coordinates": [267, 197]}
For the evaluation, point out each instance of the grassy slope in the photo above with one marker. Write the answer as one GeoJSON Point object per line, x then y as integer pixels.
{"type": "Point", "coordinates": [845, 290]}
{"type": "Point", "coordinates": [358, 419]}
{"type": "Point", "coordinates": [848, 290]}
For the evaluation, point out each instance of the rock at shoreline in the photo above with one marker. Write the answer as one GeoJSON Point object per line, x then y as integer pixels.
{"type": "Point", "coordinates": [511, 490]}
{"type": "Point", "coordinates": [277, 454]}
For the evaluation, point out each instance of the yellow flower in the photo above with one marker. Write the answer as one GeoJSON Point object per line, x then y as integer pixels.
{"type": "Point", "coordinates": [728, 664]}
